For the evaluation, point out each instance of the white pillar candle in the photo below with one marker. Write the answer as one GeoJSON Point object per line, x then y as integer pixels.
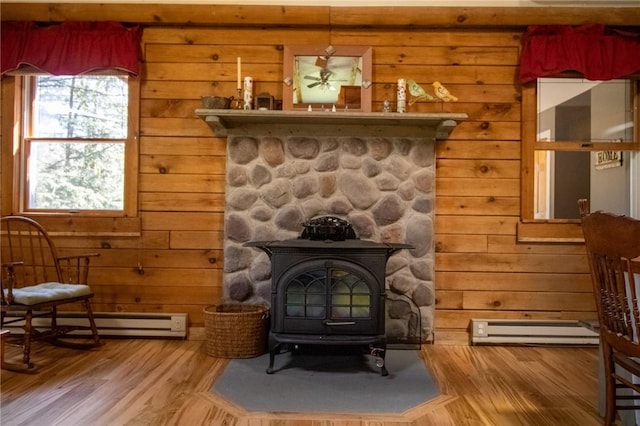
{"type": "Point", "coordinates": [401, 100]}
{"type": "Point", "coordinates": [248, 92]}
{"type": "Point", "coordinates": [239, 74]}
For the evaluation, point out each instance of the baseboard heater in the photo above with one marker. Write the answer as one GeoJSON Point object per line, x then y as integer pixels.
{"type": "Point", "coordinates": [113, 324]}
{"type": "Point", "coordinates": [503, 331]}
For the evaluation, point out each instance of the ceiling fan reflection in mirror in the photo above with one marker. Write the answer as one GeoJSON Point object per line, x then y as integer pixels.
{"type": "Point", "coordinates": [323, 75]}
{"type": "Point", "coordinates": [324, 81]}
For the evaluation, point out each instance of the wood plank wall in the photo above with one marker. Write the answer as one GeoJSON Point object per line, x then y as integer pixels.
{"type": "Point", "coordinates": [175, 265]}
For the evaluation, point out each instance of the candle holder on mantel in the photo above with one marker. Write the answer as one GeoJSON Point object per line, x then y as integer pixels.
{"type": "Point", "coordinates": [238, 102]}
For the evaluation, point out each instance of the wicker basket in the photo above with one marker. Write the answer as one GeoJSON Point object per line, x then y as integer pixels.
{"type": "Point", "coordinates": [236, 330]}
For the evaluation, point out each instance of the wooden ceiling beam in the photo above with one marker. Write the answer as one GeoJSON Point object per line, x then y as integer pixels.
{"type": "Point", "coordinates": [322, 16]}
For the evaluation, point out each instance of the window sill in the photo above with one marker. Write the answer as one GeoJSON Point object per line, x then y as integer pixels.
{"type": "Point", "coordinates": [566, 232]}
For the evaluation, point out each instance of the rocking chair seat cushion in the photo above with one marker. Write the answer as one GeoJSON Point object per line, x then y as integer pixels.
{"type": "Point", "coordinates": [48, 292]}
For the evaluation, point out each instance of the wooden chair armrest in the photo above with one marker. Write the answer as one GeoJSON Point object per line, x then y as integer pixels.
{"type": "Point", "coordinates": [8, 280]}
{"type": "Point", "coordinates": [79, 256]}
{"type": "Point", "coordinates": [12, 264]}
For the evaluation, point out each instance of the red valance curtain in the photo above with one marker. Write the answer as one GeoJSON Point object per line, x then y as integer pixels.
{"type": "Point", "coordinates": [595, 51]}
{"type": "Point", "coordinates": [71, 48]}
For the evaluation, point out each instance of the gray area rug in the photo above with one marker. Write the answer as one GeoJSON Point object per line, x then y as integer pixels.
{"type": "Point", "coordinates": [333, 383]}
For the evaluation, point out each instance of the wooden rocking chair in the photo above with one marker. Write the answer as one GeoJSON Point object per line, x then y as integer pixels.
{"type": "Point", "coordinates": [36, 281]}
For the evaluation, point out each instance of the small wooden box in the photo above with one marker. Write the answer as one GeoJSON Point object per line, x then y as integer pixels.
{"type": "Point", "coordinates": [350, 96]}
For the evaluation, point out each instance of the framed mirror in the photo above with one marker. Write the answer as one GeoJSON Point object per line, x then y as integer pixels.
{"type": "Point", "coordinates": [326, 76]}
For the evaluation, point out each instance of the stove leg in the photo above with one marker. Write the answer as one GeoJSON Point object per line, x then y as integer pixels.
{"type": "Point", "coordinates": [379, 355]}
{"type": "Point", "coordinates": [272, 355]}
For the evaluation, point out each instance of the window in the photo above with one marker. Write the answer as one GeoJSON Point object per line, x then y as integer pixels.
{"type": "Point", "coordinates": [78, 149]}
{"type": "Point", "coordinates": [579, 138]}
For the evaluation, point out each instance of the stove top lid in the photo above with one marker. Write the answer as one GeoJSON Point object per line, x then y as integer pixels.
{"type": "Point", "coordinates": [328, 228]}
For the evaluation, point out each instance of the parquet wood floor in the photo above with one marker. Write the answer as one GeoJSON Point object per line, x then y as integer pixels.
{"type": "Point", "coordinates": [167, 382]}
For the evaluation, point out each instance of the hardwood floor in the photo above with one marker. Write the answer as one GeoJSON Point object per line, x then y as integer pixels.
{"type": "Point", "coordinates": [167, 382]}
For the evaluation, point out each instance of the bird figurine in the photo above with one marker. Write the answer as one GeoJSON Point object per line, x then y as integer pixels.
{"type": "Point", "coordinates": [442, 92]}
{"type": "Point", "coordinates": [418, 92]}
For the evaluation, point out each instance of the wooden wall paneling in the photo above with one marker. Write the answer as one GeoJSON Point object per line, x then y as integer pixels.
{"type": "Point", "coordinates": [182, 164]}
{"type": "Point", "coordinates": [426, 73]}
{"type": "Point", "coordinates": [174, 127]}
{"type": "Point", "coordinates": [148, 239]}
{"type": "Point", "coordinates": [528, 300]}
{"type": "Point", "coordinates": [177, 290]}
{"type": "Point", "coordinates": [207, 72]}
{"type": "Point", "coordinates": [176, 182]}
{"type": "Point", "coordinates": [161, 145]}
{"type": "Point", "coordinates": [478, 168]}
{"type": "Point", "coordinates": [513, 281]}
{"type": "Point", "coordinates": [171, 201]}
{"type": "Point", "coordinates": [183, 221]}
{"type": "Point", "coordinates": [447, 299]}
{"type": "Point", "coordinates": [511, 262]}
{"type": "Point", "coordinates": [473, 150]}
{"type": "Point", "coordinates": [153, 278]}
{"type": "Point", "coordinates": [446, 55]}
{"type": "Point", "coordinates": [399, 37]}
{"type": "Point", "coordinates": [475, 225]}
{"type": "Point", "coordinates": [150, 258]}
{"type": "Point", "coordinates": [485, 130]}
{"type": "Point", "coordinates": [491, 187]}
{"type": "Point", "coordinates": [182, 108]}
{"type": "Point", "coordinates": [213, 53]}
{"type": "Point", "coordinates": [197, 239]}
{"type": "Point", "coordinates": [489, 111]}
{"type": "Point", "coordinates": [219, 37]}
{"type": "Point", "coordinates": [446, 243]}
{"type": "Point", "coordinates": [487, 206]}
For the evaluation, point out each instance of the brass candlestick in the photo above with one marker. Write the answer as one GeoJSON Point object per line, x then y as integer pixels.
{"type": "Point", "coordinates": [239, 99]}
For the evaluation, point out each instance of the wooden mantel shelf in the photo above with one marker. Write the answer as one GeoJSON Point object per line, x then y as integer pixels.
{"type": "Point", "coordinates": [226, 122]}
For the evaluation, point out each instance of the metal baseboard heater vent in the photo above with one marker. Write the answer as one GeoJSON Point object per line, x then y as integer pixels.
{"type": "Point", "coordinates": [113, 324]}
{"type": "Point", "coordinates": [499, 331]}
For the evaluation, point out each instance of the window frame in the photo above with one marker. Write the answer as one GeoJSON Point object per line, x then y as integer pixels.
{"type": "Point", "coordinates": [20, 167]}
{"type": "Point", "coordinates": [530, 146]}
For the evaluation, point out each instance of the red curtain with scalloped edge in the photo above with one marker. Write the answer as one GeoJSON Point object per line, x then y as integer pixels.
{"type": "Point", "coordinates": [70, 48]}
{"type": "Point", "coordinates": [595, 51]}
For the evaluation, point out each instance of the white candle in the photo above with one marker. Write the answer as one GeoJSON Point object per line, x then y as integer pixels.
{"type": "Point", "coordinates": [402, 95]}
{"type": "Point", "coordinates": [248, 92]}
{"type": "Point", "coordinates": [239, 74]}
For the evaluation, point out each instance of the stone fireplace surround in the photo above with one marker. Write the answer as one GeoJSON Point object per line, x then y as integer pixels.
{"type": "Point", "coordinates": [376, 170]}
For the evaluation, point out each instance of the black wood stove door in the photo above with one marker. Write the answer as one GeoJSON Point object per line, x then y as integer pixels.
{"type": "Point", "coordinates": [328, 296]}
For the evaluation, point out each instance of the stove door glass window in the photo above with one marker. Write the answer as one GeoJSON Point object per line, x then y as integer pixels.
{"type": "Point", "coordinates": [350, 296]}
{"type": "Point", "coordinates": [306, 295]}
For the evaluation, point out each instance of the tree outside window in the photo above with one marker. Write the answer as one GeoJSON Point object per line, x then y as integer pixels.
{"type": "Point", "coordinates": [76, 131]}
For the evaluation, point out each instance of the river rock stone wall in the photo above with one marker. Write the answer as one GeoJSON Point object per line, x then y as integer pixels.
{"type": "Point", "coordinates": [385, 187]}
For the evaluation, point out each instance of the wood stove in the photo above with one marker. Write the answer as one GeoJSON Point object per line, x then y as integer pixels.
{"type": "Point", "coordinates": [328, 288]}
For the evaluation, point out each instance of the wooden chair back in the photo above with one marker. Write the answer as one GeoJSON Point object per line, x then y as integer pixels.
{"type": "Point", "coordinates": [613, 249]}
{"type": "Point", "coordinates": [27, 243]}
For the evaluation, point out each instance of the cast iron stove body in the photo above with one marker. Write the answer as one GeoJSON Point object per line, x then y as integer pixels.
{"type": "Point", "coordinates": [328, 291]}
